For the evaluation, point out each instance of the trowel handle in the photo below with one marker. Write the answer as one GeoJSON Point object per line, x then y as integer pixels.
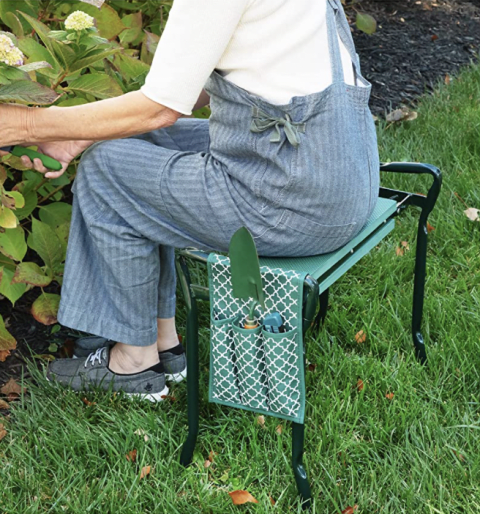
{"type": "Point", "coordinates": [20, 151]}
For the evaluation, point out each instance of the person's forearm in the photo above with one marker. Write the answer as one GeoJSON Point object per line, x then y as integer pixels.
{"type": "Point", "coordinates": [115, 118]}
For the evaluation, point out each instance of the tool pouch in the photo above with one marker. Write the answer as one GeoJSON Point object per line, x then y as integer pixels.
{"type": "Point", "coordinates": [255, 369]}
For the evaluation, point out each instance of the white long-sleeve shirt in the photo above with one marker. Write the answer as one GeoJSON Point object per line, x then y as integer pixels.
{"type": "Point", "coordinates": [275, 49]}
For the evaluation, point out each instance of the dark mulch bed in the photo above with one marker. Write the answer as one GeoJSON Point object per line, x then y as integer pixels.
{"type": "Point", "coordinates": [418, 43]}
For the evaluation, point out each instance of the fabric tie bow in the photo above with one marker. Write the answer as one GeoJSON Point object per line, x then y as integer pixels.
{"type": "Point", "coordinates": [262, 122]}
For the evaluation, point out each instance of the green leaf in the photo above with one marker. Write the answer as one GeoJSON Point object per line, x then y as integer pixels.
{"type": "Point", "coordinates": [366, 23]}
{"type": "Point", "coordinates": [149, 45]}
{"type": "Point", "coordinates": [45, 308]}
{"type": "Point", "coordinates": [13, 199]}
{"type": "Point", "coordinates": [129, 67]}
{"type": "Point", "coordinates": [12, 243]}
{"type": "Point", "coordinates": [92, 58]}
{"type": "Point", "coordinates": [62, 53]}
{"type": "Point", "coordinates": [7, 341]}
{"type": "Point", "coordinates": [72, 101]}
{"type": "Point", "coordinates": [11, 6]}
{"type": "Point", "coordinates": [36, 52]}
{"type": "Point", "coordinates": [30, 273]}
{"type": "Point", "coordinates": [97, 84]}
{"type": "Point", "coordinates": [12, 73]}
{"type": "Point", "coordinates": [59, 35]}
{"type": "Point", "coordinates": [12, 21]}
{"type": "Point", "coordinates": [28, 92]}
{"type": "Point", "coordinates": [46, 243]}
{"type": "Point", "coordinates": [31, 199]}
{"type": "Point", "coordinates": [7, 263]}
{"type": "Point", "coordinates": [133, 22]}
{"type": "Point", "coordinates": [54, 214]}
{"type": "Point", "coordinates": [7, 218]}
{"type": "Point", "coordinates": [108, 21]}
{"type": "Point", "coordinates": [62, 232]}
{"type": "Point", "coordinates": [11, 291]}
{"type": "Point", "coordinates": [34, 66]}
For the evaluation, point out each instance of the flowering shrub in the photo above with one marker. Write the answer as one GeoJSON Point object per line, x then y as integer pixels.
{"type": "Point", "coordinates": [9, 53]}
{"type": "Point", "coordinates": [59, 53]}
{"type": "Point", "coordinates": [79, 20]}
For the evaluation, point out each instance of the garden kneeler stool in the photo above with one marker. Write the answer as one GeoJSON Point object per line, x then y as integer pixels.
{"type": "Point", "coordinates": [319, 273]}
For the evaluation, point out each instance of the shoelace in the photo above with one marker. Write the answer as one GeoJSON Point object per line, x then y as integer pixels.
{"type": "Point", "coordinates": [262, 122]}
{"type": "Point", "coordinates": [94, 356]}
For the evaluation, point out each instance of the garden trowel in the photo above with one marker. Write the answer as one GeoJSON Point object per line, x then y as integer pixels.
{"type": "Point", "coordinates": [245, 268]}
{"type": "Point", "coordinates": [20, 151]}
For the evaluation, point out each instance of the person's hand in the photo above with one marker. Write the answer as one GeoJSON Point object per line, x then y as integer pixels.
{"type": "Point", "coordinates": [63, 151]}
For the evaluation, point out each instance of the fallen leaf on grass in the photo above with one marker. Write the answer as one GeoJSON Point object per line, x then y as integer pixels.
{"type": "Point", "coordinates": [168, 397]}
{"type": "Point", "coordinates": [472, 214]}
{"type": "Point", "coordinates": [430, 228]}
{"type": "Point", "coordinates": [389, 396]}
{"type": "Point", "coordinates": [12, 390]}
{"type": "Point", "coordinates": [459, 456]}
{"type": "Point", "coordinates": [350, 510]}
{"type": "Point", "coordinates": [207, 464]}
{"type": "Point", "coordinates": [211, 455]}
{"type": "Point", "coordinates": [3, 355]}
{"type": "Point", "coordinates": [131, 456]}
{"type": "Point", "coordinates": [311, 367]}
{"type": "Point", "coordinates": [240, 497]}
{"type": "Point", "coordinates": [4, 405]}
{"type": "Point", "coordinates": [88, 403]}
{"type": "Point", "coordinates": [447, 79]}
{"type": "Point", "coordinates": [145, 471]}
{"type": "Point", "coordinates": [3, 432]}
{"type": "Point", "coordinates": [139, 431]}
{"type": "Point", "coordinates": [400, 250]}
{"type": "Point", "coordinates": [261, 420]}
{"type": "Point", "coordinates": [360, 337]}
{"type": "Point", "coordinates": [279, 429]}
{"type": "Point", "coordinates": [402, 114]}
{"type": "Point", "coordinates": [272, 501]}
{"type": "Point", "coordinates": [360, 385]}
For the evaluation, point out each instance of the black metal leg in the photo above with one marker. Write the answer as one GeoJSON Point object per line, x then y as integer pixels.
{"type": "Point", "coordinates": [419, 289]}
{"type": "Point", "coordinates": [322, 312]}
{"type": "Point", "coordinates": [303, 487]}
{"type": "Point", "coordinates": [192, 385]}
{"type": "Point", "coordinates": [192, 362]}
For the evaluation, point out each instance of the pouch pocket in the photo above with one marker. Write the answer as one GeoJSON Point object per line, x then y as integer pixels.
{"type": "Point", "coordinates": [284, 366]}
{"type": "Point", "coordinates": [224, 367]}
{"type": "Point", "coordinates": [252, 373]}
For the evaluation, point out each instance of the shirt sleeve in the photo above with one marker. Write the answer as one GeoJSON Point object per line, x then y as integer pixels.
{"type": "Point", "coordinates": [193, 42]}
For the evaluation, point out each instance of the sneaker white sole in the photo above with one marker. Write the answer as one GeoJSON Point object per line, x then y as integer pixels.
{"type": "Point", "coordinates": [151, 397]}
{"type": "Point", "coordinates": [176, 377]}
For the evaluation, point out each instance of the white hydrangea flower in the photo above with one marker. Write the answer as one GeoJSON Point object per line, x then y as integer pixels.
{"type": "Point", "coordinates": [78, 20]}
{"type": "Point", "coordinates": [9, 53]}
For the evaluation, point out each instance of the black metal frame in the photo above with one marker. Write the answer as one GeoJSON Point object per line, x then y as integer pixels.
{"type": "Point", "coordinates": [194, 292]}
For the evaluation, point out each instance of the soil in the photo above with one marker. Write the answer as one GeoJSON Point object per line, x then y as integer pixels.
{"type": "Point", "coordinates": [417, 44]}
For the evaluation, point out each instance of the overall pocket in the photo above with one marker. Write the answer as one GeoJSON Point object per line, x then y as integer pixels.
{"type": "Point", "coordinates": [224, 368]}
{"type": "Point", "coordinates": [252, 373]}
{"type": "Point", "coordinates": [283, 372]}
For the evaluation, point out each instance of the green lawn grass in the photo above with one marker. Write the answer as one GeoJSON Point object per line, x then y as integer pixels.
{"type": "Point", "coordinates": [415, 453]}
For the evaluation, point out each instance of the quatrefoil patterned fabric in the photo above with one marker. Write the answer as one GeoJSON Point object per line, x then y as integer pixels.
{"type": "Point", "coordinates": [254, 369]}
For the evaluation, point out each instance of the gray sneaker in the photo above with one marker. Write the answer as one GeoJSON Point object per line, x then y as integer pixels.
{"type": "Point", "coordinates": [174, 360]}
{"type": "Point", "coordinates": [84, 373]}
